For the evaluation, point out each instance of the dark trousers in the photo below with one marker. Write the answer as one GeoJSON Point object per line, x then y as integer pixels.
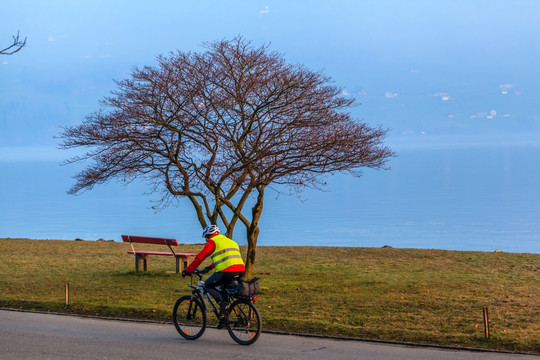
{"type": "Point", "coordinates": [221, 279]}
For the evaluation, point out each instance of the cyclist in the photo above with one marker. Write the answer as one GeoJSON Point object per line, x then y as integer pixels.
{"type": "Point", "coordinates": [226, 260]}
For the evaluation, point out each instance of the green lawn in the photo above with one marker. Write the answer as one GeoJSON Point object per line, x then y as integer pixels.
{"type": "Point", "coordinates": [421, 296]}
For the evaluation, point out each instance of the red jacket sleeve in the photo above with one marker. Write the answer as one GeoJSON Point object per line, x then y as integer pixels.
{"type": "Point", "coordinates": [206, 251]}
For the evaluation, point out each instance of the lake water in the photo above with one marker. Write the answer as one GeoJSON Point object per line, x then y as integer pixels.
{"type": "Point", "coordinates": [456, 194]}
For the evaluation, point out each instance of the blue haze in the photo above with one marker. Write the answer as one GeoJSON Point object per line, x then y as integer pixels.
{"type": "Point", "coordinates": [461, 194]}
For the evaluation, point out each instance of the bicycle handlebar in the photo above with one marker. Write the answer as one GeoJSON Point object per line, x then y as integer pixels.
{"type": "Point", "coordinates": [197, 272]}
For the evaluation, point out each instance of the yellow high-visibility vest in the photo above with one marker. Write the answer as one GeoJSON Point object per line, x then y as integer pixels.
{"type": "Point", "coordinates": [227, 253]}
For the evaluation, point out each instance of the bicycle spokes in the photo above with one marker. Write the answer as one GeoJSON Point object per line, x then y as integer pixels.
{"type": "Point", "coordinates": [244, 322]}
{"type": "Point", "coordinates": [189, 317]}
{"type": "Point", "coordinates": [242, 318]}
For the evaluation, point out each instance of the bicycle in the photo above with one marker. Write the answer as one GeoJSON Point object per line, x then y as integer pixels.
{"type": "Point", "coordinates": [241, 316]}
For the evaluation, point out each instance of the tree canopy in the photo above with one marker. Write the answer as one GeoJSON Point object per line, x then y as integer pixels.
{"type": "Point", "coordinates": [217, 127]}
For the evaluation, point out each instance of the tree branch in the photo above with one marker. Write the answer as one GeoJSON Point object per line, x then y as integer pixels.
{"type": "Point", "coordinates": [15, 47]}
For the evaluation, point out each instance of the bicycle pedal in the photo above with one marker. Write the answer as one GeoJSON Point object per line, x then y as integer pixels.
{"type": "Point", "coordinates": [222, 324]}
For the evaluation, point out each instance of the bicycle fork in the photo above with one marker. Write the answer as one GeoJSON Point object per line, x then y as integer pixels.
{"type": "Point", "coordinates": [192, 309]}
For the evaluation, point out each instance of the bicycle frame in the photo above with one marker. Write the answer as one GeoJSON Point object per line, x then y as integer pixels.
{"type": "Point", "coordinates": [202, 293]}
{"type": "Point", "coordinates": [204, 297]}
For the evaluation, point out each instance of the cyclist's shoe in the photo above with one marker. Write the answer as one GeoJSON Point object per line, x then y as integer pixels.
{"type": "Point", "coordinates": [223, 306]}
{"type": "Point", "coordinates": [222, 323]}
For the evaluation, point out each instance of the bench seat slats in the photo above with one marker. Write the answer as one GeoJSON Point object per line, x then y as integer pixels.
{"type": "Point", "coordinates": [160, 253]}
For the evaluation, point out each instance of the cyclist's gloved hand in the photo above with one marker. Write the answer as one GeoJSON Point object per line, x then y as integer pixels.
{"type": "Point", "coordinates": [206, 269]}
{"type": "Point", "coordinates": [185, 273]}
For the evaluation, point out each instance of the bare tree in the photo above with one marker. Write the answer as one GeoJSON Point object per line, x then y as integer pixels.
{"type": "Point", "coordinates": [219, 127]}
{"type": "Point", "coordinates": [15, 47]}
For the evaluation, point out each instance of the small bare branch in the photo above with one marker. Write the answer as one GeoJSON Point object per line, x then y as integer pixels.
{"type": "Point", "coordinates": [15, 47]}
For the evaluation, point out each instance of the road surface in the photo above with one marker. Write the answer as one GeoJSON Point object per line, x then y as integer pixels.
{"type": "Point", "coordinates": [28, 335]}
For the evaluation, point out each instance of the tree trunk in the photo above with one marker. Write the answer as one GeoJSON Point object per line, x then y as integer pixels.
{"type": "Point", "coordinates": [251, 251]}
{"type": "Point", "coordinates": [253, 231]}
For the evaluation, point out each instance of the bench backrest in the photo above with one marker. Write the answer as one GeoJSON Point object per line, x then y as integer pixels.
{"type": "Point", "coordinates": [149, 240]}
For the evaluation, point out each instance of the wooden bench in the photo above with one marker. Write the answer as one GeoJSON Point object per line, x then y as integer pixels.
{"type": "Point", "coordinates": [143, 254]}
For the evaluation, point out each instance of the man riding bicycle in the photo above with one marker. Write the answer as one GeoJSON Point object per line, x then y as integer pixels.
{"type": "Point", "coordinates": [226, 260]}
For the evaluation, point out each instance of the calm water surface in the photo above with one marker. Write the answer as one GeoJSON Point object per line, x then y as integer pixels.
{"type": "Point", "coordinates": [455, 196]}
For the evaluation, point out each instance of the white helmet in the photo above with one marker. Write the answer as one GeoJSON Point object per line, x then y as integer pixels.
{"type": "Point", "coordinates": [210, 230]}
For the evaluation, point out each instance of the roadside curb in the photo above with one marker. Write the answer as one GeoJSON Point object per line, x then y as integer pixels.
{"type": "Point", "coordinates": [284, 333]}
{"type": "Point", "coordinates": [403, 343]}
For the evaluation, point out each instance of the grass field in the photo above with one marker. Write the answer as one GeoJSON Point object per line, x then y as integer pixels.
{"type": "Point", "coordinates": [421, 296]}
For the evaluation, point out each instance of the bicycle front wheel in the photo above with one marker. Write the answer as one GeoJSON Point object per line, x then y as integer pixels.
{"type": "Point", "coordinates": [189, 317]}
{"type": "Point", "coordinates": [244, 322]}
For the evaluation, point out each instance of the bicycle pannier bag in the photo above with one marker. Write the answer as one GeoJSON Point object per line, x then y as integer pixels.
{"type": "Point", "coordinates": [250, 287]}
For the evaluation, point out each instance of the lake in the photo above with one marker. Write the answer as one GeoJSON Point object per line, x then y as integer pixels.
{"type": "Point", "coordinates": [455, 193]}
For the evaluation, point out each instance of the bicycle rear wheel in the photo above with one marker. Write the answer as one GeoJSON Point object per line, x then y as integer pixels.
{"type": "Point", "coordinates": [189, 317]}
{"type": "Point", "coordinates": [244, 322]}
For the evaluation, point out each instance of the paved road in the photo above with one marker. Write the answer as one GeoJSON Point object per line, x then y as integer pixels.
{"type": "Point", "coordinates": [25, 335]}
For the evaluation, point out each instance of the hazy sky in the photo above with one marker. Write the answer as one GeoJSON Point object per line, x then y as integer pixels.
{"type": "Point", "coordinates": [419, 67]}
